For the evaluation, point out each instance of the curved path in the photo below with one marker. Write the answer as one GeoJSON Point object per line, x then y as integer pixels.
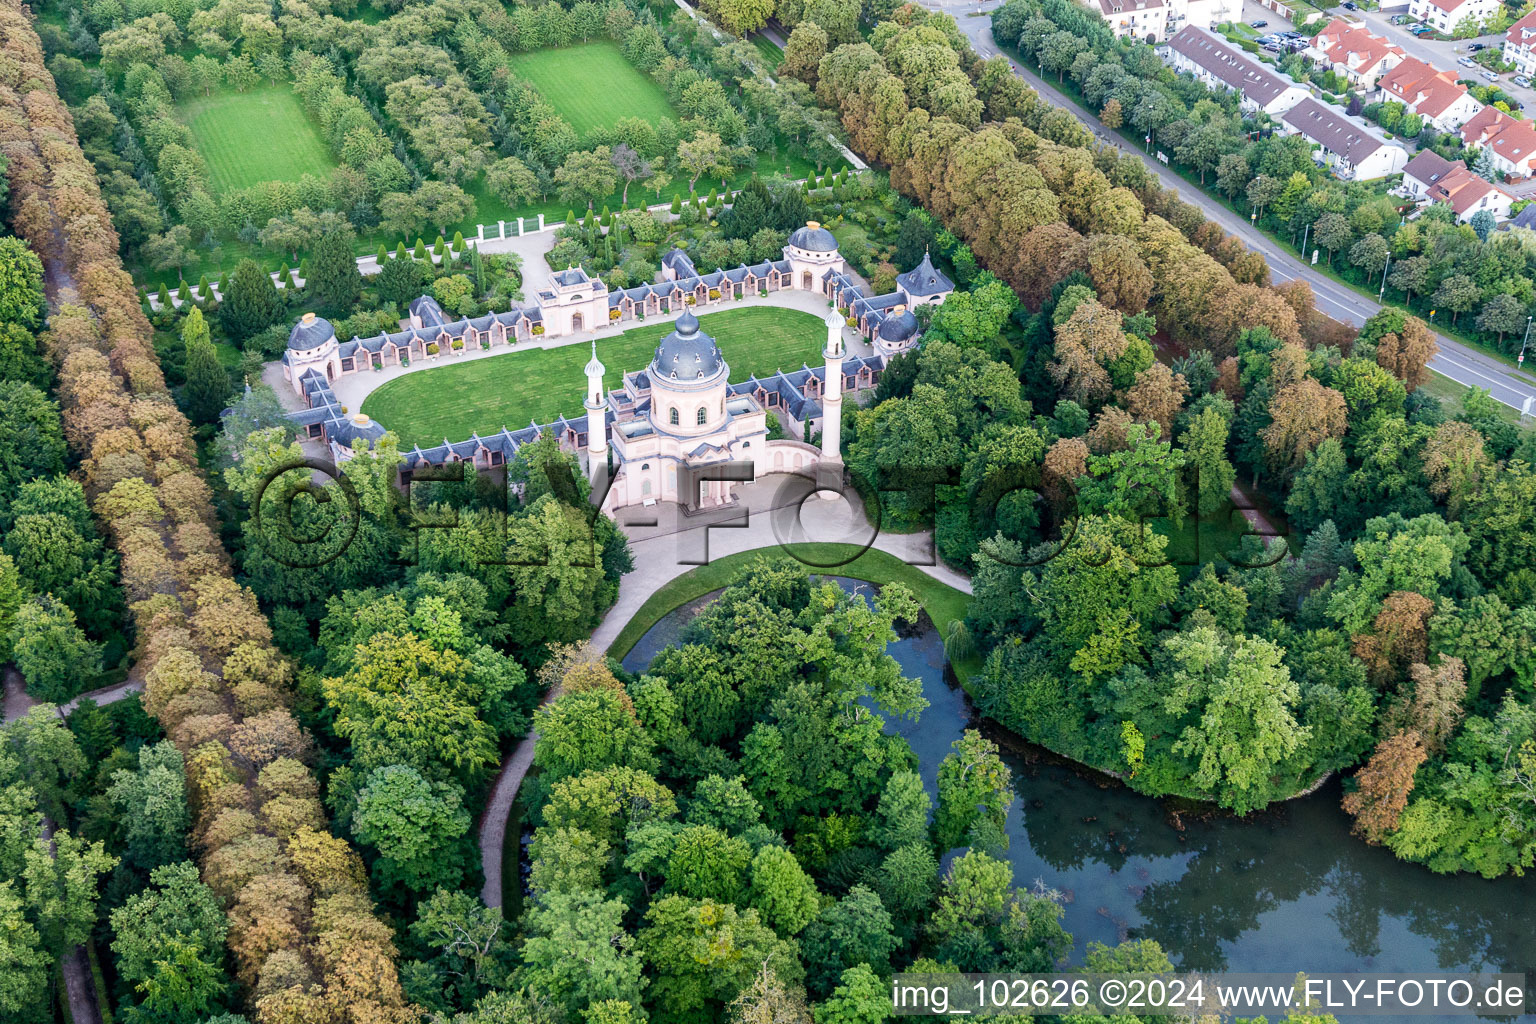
{"type": "Point", "coordinates": [668, 549]}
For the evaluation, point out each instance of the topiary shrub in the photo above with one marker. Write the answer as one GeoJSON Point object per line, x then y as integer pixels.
{"type": "Point", "coordinates": [457, 344]}
{"type": "Point", "coordinates": [432, 349]}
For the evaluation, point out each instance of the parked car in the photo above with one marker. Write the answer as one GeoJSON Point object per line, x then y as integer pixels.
{"type": "Point", "coordinates": [1492, 76]}
{"type": "Point", "coordinates": [1477, 46]}
{"type": "Point", "coordinates": [1258, 24]}
{"type": "Point", "coordinates": [1349, 6]}
{"type": "Point", "coordinates": [1521, 80]}
{"type": "Point", "coordinates": [1467, 62]}
{"type": "Point", "coordinates": [1399, 19]}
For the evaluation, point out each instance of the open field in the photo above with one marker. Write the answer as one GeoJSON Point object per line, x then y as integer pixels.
{"type": "Point", "coordinates": [768, 49]}
{"type": "Point", "coordinates": [255, 136]}
{"type": "Point", "coordinates": [592, 85]}
{"type": "Point", "coordinates": [536, 385]}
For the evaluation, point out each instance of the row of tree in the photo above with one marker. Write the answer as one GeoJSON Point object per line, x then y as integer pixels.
{"type": "Point", "coordinates": [300, 918]}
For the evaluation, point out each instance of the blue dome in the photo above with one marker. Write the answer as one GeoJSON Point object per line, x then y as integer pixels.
{"type": "Point", "coordinates": [901, 327]}
{"type": "Point", "coordinates": [310, 332]}
{"type": "Point", "coordinates": [813, 238]}
{"type": "Point", "coordinates": [687, 353]}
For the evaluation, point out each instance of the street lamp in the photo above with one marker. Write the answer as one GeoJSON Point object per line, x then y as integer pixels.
{"type": "Point", "coordinates": [1384, 270]}
{"type": "Point", "coordinates": [1520, 359]}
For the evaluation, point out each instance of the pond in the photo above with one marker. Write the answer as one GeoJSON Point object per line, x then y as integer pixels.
{"type": "Point", "coordinates": [1287, 889]}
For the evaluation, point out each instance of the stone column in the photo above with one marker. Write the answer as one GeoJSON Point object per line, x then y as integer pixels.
{"type": "Point", "coordinates": [541, 222]}
{"type": "Point", "coordinates": [832, 391]}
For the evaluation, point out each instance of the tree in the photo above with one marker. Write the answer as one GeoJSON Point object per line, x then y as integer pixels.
{"type": "Point", "coordinates": [902, 815]}
{"type": "Point", "coordinates": [443, 203]}
{"type": "Point", "coordinates": [803, 52]}
{"type": "Point", "coordinates": [1457, 293]}
{"type": "Point", "coordinates": [207, 380]}
{"type": "Point", "coordinates": [1332, 232]}
{"type": "Point", "coordinates": [1406, 355]}
{"type": "Point", "coordinates": [587, 176]}
{"type": "Point", "coordinates": [1411, 276]}
{"type": "Point", "coordinates": [1205, 449]}
{"type": "Point", "coordinates": [854, 930]}
{"type": "Point", "coordinates": [974, 792]}
{"type": "Point", "coordinates": [781, 891]}
{"type": "Point", "coordinates": [52, 652]}
{"type": "Point", "coordinates": [630, 165]}
{"type": "Point", "coordinates": [511, 181]}
{"type": "Point", "coordinates": [240, 72]}
{"type": "Point", "coordinates": [740, 17]}
{"type": "Point", "coordinates": [21, 285]}
{"type": "Point", "coordinates": [590, 730]}
{"type": "Point", "coordinates": [768, 1000]}
{"type": "Point", "coordinates": [169, 941]}
{"type": "Point", "coordinates": [401, 281]}
{"type": "Point", "coordinates": [860, 998]}
{"type": "Point", "coordinates": [333, 277]}
{"type": "Point", "coordinates": [1382, 786]}
{"type": "Point", "coordinates": [703, 154]}
{"type": "Point", "coordinates": [1112, 116]}
{"type": "Point", "coordinates": [152, 804]}
{"type": "Point", "coordinates": [1303, 415]}
{"type": "Point", "coordinates": [24, 966]}
{"type": "Point", "coordinates": [415, 825]}
{"type": "Point", "coordinates": [251, 303]}
{"type": "Point", "coordinates": [1501, 315]}
{"type": "Point", "coordinates": [705, 954]}
{"type": "Point", "coordinates": [1438, 694]}
{"type": "Point", "coordinates": [578, 953]}
{"type": "Point", "coordinates": [1483, 222]}
{"type": "Point", "coordinates": [1370, 254]}
{"type": "Point", "coordinates": [31, 436]}
{"type": "Point", "coordinates": [60, 879]}
{"type": "Point", "coordinates": [1232, 175]}
{"type": "Point", "coordinates": [1243, 697]}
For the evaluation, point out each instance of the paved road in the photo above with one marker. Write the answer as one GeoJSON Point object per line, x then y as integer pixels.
{"type": "Point", "coordinates": [1456, 360]}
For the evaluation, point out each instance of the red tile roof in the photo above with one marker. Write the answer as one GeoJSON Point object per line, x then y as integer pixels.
{"type": "Point", "coordinates": [1523, 31]}
{"type": "Point", "coordinates": [1511, 140]}
{"type": "Point", "coordinates": [1423, 89]}
{"type": "Point", "coordinates": [1461, 190]}
{"type": "Point", "coordinates": [1353, 46]}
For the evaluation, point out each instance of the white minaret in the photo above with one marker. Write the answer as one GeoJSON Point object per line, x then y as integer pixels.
{"type": "Point", "coordinates": [597, 416]}
{"type": "Point", "coordinates": [832, 392]}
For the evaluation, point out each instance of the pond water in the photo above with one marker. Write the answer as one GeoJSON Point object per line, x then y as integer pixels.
{"type": "Point", "coordinates": [1287, 889]}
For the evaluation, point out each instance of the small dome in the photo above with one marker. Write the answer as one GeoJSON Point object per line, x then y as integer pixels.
{"type": "Point", "coordinates": [687, 353]}
{"type": "Point", "coordinates": [835, 319]}
{"type": "Point", "coordinates": [594, 367]}
{"type": "Point", "coordinates": [813, 238]}
{"type": "Point", "coordinates": [310, 332]}
{"type": "Point", "coordinates": [901, 326]}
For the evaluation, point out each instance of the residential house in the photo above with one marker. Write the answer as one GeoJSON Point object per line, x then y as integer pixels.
{"type": "Point", "coordinates": [1345, 146]}
{"type": "Point", "coordinates": [1426, 170]}
{"type": "Point", "coordinates": [1219, 64]}
{"type": "Point", "coordinates": [1142, 20]}
{"type": "Point", "coordinates": [1434, 95]}
{"type": "Point", "coordinates": [1467, 194]}
{"type": "Point", "coordinates": [1445, 15]}
{"type": "Point", "coordinates": [1351, 50]}
{"type": "Point", "coordinates": [1510, 143]}
{"type": "Point", "coordinates": [1520, 45]}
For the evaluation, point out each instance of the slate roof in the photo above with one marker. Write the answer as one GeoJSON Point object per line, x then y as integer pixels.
{"type": "Point", "coordinates": [924, 280]}
{"type": "Point", "coordinates": [1336, 132]}
{"type": "Point", "coordinates": [813, 238]}
{"type": "Point", "coordinates": [430, 313]}
{"type": "Point", "coordinates": [310, 332]}
{"type": "Point", "coordinates": [1229, 65]}
{"type": "Point", "coordinates": [687, 353]}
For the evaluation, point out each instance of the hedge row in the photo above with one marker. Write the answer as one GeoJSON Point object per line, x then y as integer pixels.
{"type": "Point", "coordinates": [305, 938]}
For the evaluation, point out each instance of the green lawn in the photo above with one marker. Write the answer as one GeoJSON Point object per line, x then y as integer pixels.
{"type": "Point", "coordinates": [255, 136]}
{"type": "Point", "coordinates": [514, 389]}
{"type": "Point", "coordinates": [1451, 395]}
{"type": "Point", "coordinates": [943, 603]}
{"type": "Point", "coordinates": [768, 49]}
{"type": "Point", "coordinates": [592, 85]}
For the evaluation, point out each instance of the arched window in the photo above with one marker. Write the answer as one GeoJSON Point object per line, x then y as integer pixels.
{"type": "Point", "coordinates": [674, 417]}
{"type": "Point", "coordinates": [703, 417]}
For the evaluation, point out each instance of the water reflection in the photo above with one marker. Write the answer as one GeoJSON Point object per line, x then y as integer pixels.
{"type": "Point", "coordinates": [1288, 889]}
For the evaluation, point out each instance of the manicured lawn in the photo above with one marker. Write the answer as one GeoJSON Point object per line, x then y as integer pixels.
{"type": "Point", "coordinates": [255, 136]}
{"type": "Point", "coordinates": [592, 85]}
{"type": "Point", "coordinates": [942, 602]}
{"type": "Point", "coordinates": [770, 51]}
{"type": "Point", "coordinates": [537, 385]}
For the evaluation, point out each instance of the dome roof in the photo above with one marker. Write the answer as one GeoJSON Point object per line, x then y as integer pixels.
{"type": "Point", "coordinates": [310, 332]}
{"type": "Point", "coordinates": [687, 353]}
{"type": "Point", "coordinates": [813, 238]}
{"type": "Point", "coordinates": [834, 318]}
{"type": "Point", "coordinates": [899, 327]}
{"type": "Point", "coordinates": [595, 367]}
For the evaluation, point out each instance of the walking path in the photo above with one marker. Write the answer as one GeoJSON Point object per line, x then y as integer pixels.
{"type": "Point", "coordinates": [18, 702]}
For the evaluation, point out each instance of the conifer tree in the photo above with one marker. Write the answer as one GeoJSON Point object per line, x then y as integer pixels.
{"type": "Point", "coordinates": [207, 381]}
